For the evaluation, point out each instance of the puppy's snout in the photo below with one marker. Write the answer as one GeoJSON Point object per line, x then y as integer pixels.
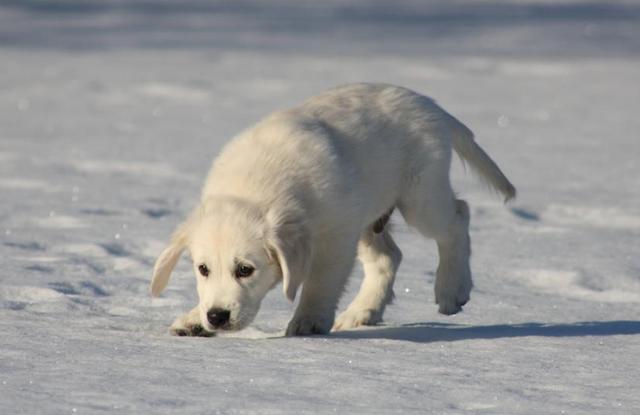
{"type": "Point", "coordinates": [218, 317]}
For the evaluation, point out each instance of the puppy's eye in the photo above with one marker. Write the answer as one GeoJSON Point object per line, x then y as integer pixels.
{"type": "Point", "coordinates": [244, 271]}
{"type": "Point", "coordinates": [203, 270]}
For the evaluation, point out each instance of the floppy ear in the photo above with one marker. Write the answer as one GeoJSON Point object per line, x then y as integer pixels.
{"type": "Point", "coordinates": [168, 260]}
{"type": "Point", "coordinates": [289, 241]}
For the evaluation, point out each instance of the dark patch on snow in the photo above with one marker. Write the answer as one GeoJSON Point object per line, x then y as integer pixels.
{"type": "Point", "coordinates": [83, 301]}
{"type": "Point", "coordinates": [84, 287]}
{"type": "Point", "coordinates": [63, 288]}
{"type": "Point", "coordinates": [99, 212]}
{"type": "Point", "coordinates": [39, 268]}
{"type": "Point", "coordinates": [94, 289]}
{"type": "Point", "coordinates": [115, 249]}
{"type": "Point", "coordinates": [591, 281]}
{"type": "Point", "coordinates": [92, 265]}
{"type": "Point", "coordinates": [27, 246]}
{"type": "Point", "coordinates": [156, 213]}
{"type": "Point", "coordinates": [525, 214]}
{"type": "Point", "coordinates": [15, 305]}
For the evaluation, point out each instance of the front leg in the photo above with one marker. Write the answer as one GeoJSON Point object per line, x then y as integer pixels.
{"type": "Point", "coordinates": [189, 325]}
{"type": "Point", "coordinates": [321, 293]}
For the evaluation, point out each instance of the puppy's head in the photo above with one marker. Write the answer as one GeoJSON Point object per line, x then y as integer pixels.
{"type": "Point", "coordinates": [239, 253]}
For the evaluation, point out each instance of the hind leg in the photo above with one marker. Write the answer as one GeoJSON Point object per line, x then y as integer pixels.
{"type": "Point", "coordinates": [380, 258]}
{"type": "Point", "coordinates": [453, 277]}
{"type": "Point", "coordinates": [435, 212]}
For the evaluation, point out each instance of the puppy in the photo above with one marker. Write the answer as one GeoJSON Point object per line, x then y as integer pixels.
{"type": "Point", "coordinates": [297, 197]}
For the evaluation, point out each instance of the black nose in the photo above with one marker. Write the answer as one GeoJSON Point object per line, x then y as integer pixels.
{"type": "Point", "coordinates": [218, 317]}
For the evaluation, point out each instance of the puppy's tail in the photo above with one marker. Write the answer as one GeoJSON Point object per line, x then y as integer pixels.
{"type": "Point", "coordinates": [481, 163]}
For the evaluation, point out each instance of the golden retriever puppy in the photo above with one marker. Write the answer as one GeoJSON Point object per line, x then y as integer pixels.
{"type": "Point", "coordinates": [296, 198]}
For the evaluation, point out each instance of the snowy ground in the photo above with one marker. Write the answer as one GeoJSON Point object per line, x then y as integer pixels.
{"type": "Point", "coordinates": [110, 113]}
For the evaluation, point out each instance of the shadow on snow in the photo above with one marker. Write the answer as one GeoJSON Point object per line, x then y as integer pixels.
{"type": "Point", "coordinates": [436, 332]}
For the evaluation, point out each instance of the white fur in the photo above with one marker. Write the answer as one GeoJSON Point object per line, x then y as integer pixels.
{"type": "Point", "coordinates": [296, 195]}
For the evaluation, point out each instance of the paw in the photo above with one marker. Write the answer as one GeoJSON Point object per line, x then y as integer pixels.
{"type": "Point", "coordinates": [352, 318]}
{"type": "Point", "coordinates": [449, 304]}
{"type": "Point", "coordinates": [307, 325]}
{"type": "Point", "coordinates": [195, 330]}
{"type": "Point", "coordinates": [183, 327]}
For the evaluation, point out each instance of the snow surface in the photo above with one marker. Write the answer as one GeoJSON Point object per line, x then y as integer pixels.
{"type": "Point", "coordinates": [111, 111]}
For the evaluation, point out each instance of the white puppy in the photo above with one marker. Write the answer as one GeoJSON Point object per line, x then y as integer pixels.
{"type": "Point", "coordinates": [295, 198]}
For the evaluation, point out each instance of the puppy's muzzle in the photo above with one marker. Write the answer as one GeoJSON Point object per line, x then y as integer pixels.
{"type": "Point", "coordinates": [218, 317]}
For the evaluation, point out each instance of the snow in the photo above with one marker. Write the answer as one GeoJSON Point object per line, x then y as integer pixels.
{"type": "Point", "coordinates": [111, 112]}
